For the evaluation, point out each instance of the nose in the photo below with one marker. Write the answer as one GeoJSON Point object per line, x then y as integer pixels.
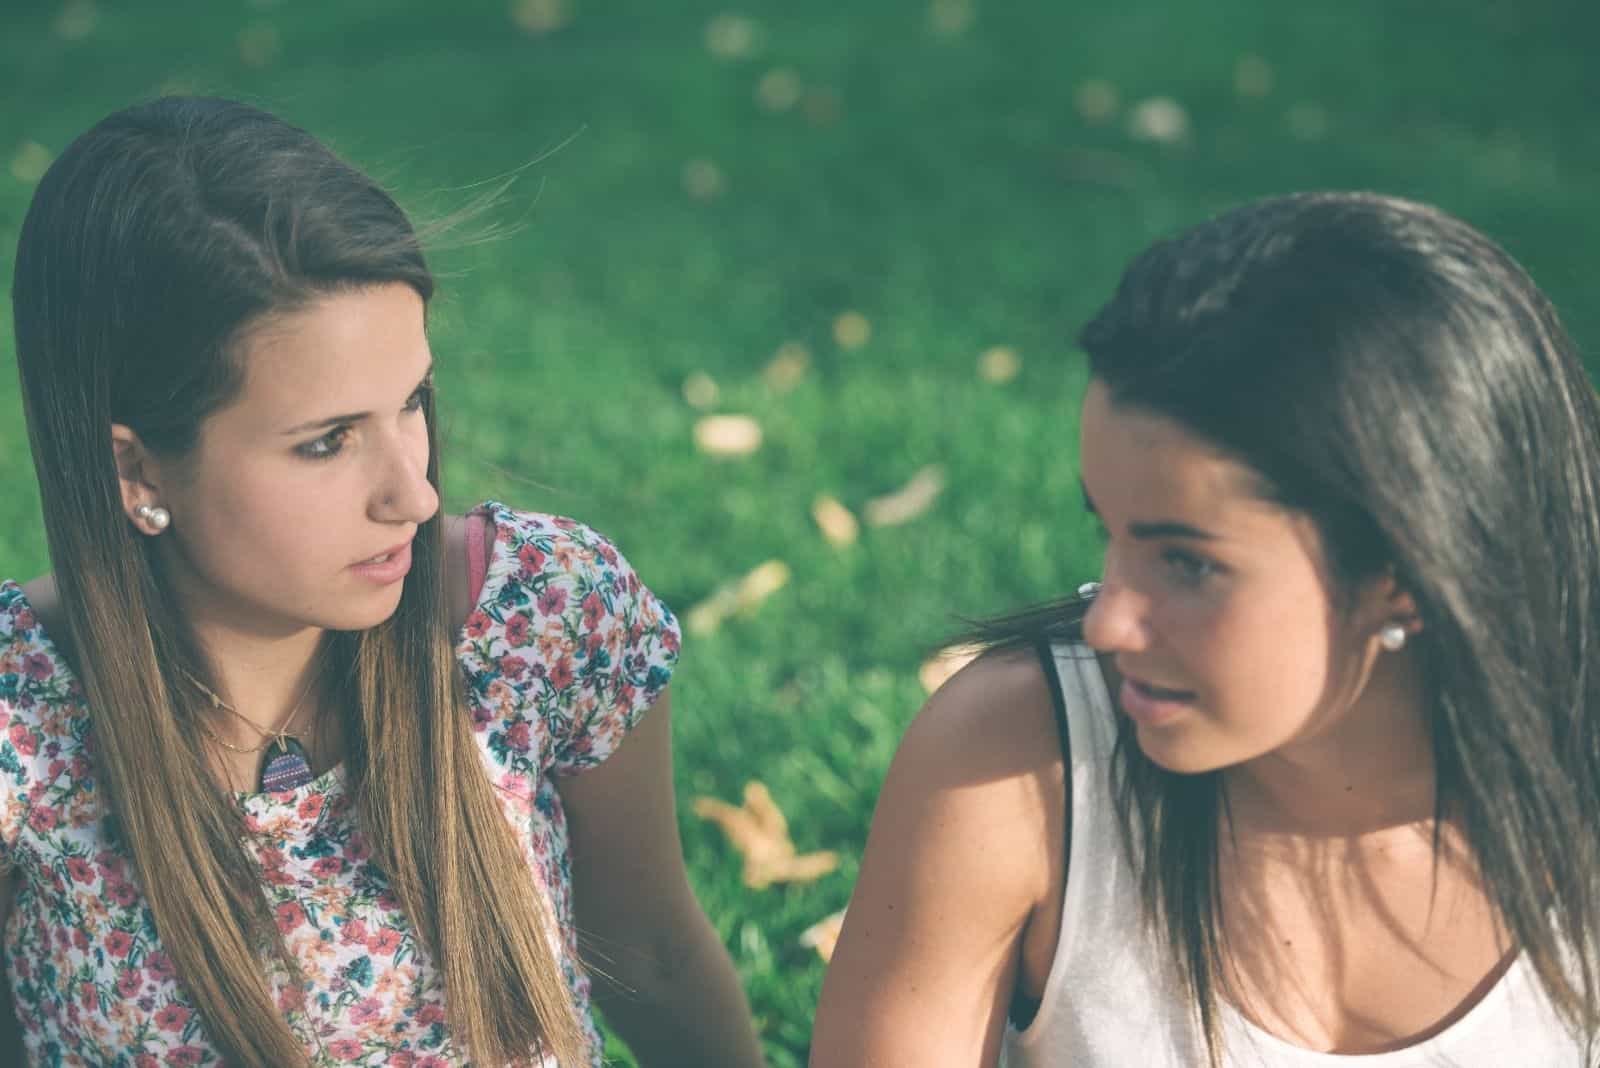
{"type": "Point", "coordinates": [1118, 618]}
{"type": "Point", "coordinates": [401, 490]}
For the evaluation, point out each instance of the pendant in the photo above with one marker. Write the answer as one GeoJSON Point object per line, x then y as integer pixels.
{"type": "Point", "coordinates": [284, 767]}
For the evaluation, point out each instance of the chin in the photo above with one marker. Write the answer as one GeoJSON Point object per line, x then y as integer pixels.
{"type": "Point", "coordinates": [1180, 755]}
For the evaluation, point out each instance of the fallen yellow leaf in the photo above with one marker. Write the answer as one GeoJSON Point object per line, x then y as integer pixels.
{"type": "Point", "coordinates": [758, 830]}
{"type": "Point", "coordinates": [700, 390]}
{"type": "Point", "coordinates": [743, 596]}
{"type": "Point", "coordinates": [823, 935]}
{"type": "Point", "coordinates": [852, 330]}
{"type": "Point", "coordinates": [30, 162]}
{"type": "Point", "coordinates": [788, 367]}
{"type": "Point", "coordinates": [539, 17]}
{"type": "Point", "coordinates": [727, 435]}
{"type": "Point", "coordinates": [937, 669]}
{"type": "Point", "coordinates": [835, 521]}
{"type": "Point", "coordinates": [909, 501]}
{"type": "Point", "coordinates": [999, 365]}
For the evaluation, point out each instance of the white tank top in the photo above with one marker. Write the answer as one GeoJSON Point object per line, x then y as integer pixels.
{"type": "Point", "coordinates": [1112, 999]}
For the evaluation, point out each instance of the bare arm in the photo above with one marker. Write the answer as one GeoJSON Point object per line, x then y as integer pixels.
{"type": "Point", "coordinates": [672, 991]}
{"type": "Point", "coordinates": [959, 863]}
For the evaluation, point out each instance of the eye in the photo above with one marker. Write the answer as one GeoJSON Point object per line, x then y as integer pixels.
{"type": "Point", "coordinates": [1190, 569]}
{"type": "Point", "coordinates": [420, 397]}
{"type": "Point", "coordinates": [327, 446]}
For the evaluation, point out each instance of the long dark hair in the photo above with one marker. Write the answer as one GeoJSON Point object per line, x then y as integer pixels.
{"type": "Point", "coordinates": [151, 246]}
{"type": "Point", "coordinates": [1395, 376]}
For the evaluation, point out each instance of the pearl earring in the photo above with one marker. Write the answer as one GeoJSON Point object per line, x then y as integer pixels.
{"type": "Point", "coordinates": [156, 517]}
{"type": "Point", "coordinates": [1088, 589]}
{"type": "Point", "coordinates": [1392, 637]}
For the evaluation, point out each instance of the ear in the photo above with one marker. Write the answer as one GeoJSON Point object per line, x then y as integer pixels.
{"type": "Point", "coordinates": [1390, 602]}
{"type": "Point", "coordinates": [138, 476]}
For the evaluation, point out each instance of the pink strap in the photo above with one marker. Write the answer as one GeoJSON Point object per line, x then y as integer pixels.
{"type": "Point", "coordinates": [477, 553]}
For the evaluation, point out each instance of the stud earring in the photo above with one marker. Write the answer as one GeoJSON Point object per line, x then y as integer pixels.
{"type": "Point", "coordinates": [1392, 637]}
{"type": "Point", "coordinates": [1088, 589]}
{"type": "Point", "coordinates": [156, 517]}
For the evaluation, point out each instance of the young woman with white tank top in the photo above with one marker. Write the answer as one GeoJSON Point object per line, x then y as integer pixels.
{"type": "Point", "coordinates": [1311, 777]}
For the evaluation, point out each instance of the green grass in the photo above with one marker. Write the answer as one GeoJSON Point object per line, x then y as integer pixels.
{"type": "Point", "coordinates": [958, 201]}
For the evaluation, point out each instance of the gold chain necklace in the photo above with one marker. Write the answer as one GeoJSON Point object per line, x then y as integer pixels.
{"type": "Point", "coordinates": [289, 767]}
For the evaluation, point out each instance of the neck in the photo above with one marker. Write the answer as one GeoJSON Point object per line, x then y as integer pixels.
{"type": "Point", "coordinates": [1368, 771]}
{"type": "Point", "coordinates": [267, 682]}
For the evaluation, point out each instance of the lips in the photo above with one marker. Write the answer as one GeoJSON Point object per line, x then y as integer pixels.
{"type": "Point", "coordinates": [1158, 693]}
{"type": "Point", "coordinates": [385, 556]}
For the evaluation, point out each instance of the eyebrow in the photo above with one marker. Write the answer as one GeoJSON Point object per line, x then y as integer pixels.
{"type": "Point", "coordinates": [1146, 531]}
{"type": "Point", "coordinates": [350, 417]}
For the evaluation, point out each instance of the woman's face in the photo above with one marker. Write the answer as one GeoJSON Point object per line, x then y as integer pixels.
{"type": "Point", "coordinates": [1216, 605]}
{"type": "Point", "coordinates": [319, 465]}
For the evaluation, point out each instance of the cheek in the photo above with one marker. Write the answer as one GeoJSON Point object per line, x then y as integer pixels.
{"type": "Point", "coordinates": [1259, 658]}
{"type": "Point", "coordinates": [256, 527]}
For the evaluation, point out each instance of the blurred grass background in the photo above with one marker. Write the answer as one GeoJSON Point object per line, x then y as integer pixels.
{"type": "Point", "coordinates": [702, 185]}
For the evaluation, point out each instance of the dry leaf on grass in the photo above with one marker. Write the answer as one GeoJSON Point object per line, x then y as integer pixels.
{"type": "Point", "coordinates": [1160, 118]}
{"type": "Point", "coordinates": [30, 161]}
{"type": "Point", "coordinates": [823, 935]}
{"type": "Point", "coordinates": [852, 330]}
{"type": "Point", "coordinates": [727, 435]}
{"type": "Point", "coordinates": [779, 89]}
{"type": "Point", "coordinates": [744, 595]}
{"type": "Point", "coordinates": [909, 501]}
{"type": "Point", "coordinates": [732, 36]}
{"type": "Point", "coordinates": [999, 365]}
{"type": "Point", "coordinates": [539, 17]}
{"type": "Point", "coordinates": [788, 367]}
{"type": "Point", "coordinates": [700, 390]}
{"type": "Point", "coordinates": [703, 179]}
{"type": "Point", "coordinates": [760, 833]}
{"type": "Point", "coordinates": [835, 521]}
{"type": "Point", "coordinates": [937, 669]}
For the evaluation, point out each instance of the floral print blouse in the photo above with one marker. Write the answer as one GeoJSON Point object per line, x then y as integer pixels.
{"type": "Point", "coordinates": [562, 653]}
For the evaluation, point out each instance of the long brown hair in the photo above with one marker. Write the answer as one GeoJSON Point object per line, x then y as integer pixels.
{"type": "Point", "coordinates": [154, 241]}
{"type": "Point", "coordinates": [1395, 376]}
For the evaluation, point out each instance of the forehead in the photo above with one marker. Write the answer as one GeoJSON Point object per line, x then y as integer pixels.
{"type": "Point", "coordinates": [348, 351]}
{"type": "Point", "coordinates": [1138, 463]}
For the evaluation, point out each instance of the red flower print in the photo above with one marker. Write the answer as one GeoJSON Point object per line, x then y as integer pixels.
{"type": "Point", "coordinates": [669, 639]}
{"type": "Point", "coordinates": [129, 982]}
{"type": "Point", "coordinates": [592, 642]}
{"type": "Point", "coordinates": [327, 867]}
{"type": "Point", "coordinates": [552, 601]}
{"type": "Point", "coordinates": [37, 666]}
{"type": "Point", "coordinates": [22, 739]}
{"type": "Point", "coordinates": [593, 609]}
{"type": "Point", "coordinates": [607, 552]}
{"type": "Point", "coordinates": [172, 1017]}
{"type": "Point", "coordinates": [403, 1059]}
{"type": "Point", "coordinates": [561, 522]}
{"type": "Point", "coordinates": [146, 1060]}
{"type": "Point", "coordinates": [477, 625]}
{"type": "Point", "coordinates": [432, 1062]}
{"type": "Point", "coordinates": [122, 894]}
{"type": "Point", "coordinates": [517, 631]}
{"type": "Point", "coordinates": [518, 736]}
{"type": "Point", "coordinates": [185, 1055]}
{"type": "Point", "coordinates": [271, 857]}
{"type": "Point", "coordinates": [357, 849]}
{"type": "Point", "coordinates": [430, 1013]}
{"type": "Point", "coordinates": [119, 943]}
{"type": "Point", "coordinates": [561, 675]}
{"type": "Point", "coordinates": [353, 931]}
{"type": "Point", "coordinates": [531, 558]}
{"type": "Point", "coordinates": [512, 667]}
{"type": "Point", "coordinates": [80, 870]}
{"type": "Point", "coordinates": [384, 942]}
{"type": "Point", "coordinates": [25, 619]}
{"type": "Point", "coordinates": [160, 966]}
{"type": "Point", "coordinates": [290, 916]}
{"type": "Point", "coordinates": [366, 1011]}
{"type": "Point", "coordinates": [89, 996]}
{"type": "Point", "coordinates": [345, 1049]}
{"type": "Point", "coordinates": [310, 808]}
{"type": "Point", "coordinates": [80, 939]}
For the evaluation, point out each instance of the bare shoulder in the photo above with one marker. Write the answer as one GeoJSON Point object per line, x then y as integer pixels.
{"type": "Point", "coordinates": [457, 578]}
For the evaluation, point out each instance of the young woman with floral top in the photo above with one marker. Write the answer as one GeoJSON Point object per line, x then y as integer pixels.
{"type": "Point", "coordinates": [294, 769]}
